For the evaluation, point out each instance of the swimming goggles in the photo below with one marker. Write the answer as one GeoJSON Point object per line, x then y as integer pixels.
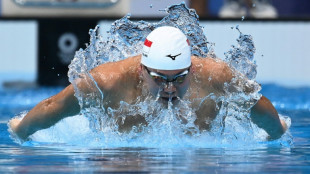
{"type": "Point", "coordinates": [160, 79]}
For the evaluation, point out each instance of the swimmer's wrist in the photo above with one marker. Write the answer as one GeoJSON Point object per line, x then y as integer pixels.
{"type": "Point", "coordinates": [16, 131]}
{"type": "Point", "coordinates": [13, 130]}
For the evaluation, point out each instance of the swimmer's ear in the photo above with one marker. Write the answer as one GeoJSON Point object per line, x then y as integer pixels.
{"type": "Point", "coordinates": [140, 69]}
{"type": "Point", "coordinates": [192, 69]}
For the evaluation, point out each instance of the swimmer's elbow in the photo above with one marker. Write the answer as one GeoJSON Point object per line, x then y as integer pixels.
{"type": "Point", "coordinates": [50, 113]}
{"type": "Point", "coordinates": [56, 110]}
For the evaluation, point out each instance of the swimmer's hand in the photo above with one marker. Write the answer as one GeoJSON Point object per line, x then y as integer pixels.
{"type": "Point", "coordinates": [13, 124]}
{"type": "Point", "coordinates": [284, 125]}
{"type": "Point", "coordinates": [265, 116]}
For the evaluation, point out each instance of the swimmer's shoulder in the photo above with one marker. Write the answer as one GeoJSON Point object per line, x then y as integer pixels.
{"type": "Point", "coordinates": [112, 74]}
{"type": "Point", "coordinates": [213, 70]}
{"type": "Point", "coordinates": [118, 66]}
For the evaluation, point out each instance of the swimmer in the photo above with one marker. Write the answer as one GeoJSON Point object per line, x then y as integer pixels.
{"type": "Point", "coordinates": [167, 71]}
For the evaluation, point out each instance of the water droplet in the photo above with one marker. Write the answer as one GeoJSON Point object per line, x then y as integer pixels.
{"type": "Point", "coordinates": [232, 28]}
{"type": "Point", "coordinates": [53, 68]}
{"type": "Point", "coordinates": [151, 6]}
{"type": "Point", "coordinates": [242, 18]}
{"type": "Point", "coordinates": [58, 75]}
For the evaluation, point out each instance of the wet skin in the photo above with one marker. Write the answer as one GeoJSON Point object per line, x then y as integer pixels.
{"type": "Point", "coordinates": [125, 81]}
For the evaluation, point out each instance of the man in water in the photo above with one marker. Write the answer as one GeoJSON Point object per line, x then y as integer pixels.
{"type": "Point", "coordinates": [167, 71]}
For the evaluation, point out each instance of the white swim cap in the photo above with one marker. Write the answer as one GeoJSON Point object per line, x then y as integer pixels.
{"type": "Point", "coordinates": [166, 48]}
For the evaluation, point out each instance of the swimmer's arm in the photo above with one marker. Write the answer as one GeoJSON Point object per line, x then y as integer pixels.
{"type": "Point", "coordinates": [47, 113]}
{"type": "Point", "coordinates": [263, 113]}
{"type": "Point", "coordinates": [265, 116]}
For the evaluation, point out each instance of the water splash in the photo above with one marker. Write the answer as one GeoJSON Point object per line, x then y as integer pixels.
{"type": "Point", "coordinates": [241, 56]}
{"type": "Point", "coordinates": [163, 126]}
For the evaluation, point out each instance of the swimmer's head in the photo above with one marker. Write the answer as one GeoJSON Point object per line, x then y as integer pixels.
{"type": "Point", "coordinates": [166, 48]}
{"type": "Point", "coordinates": [167, 85]}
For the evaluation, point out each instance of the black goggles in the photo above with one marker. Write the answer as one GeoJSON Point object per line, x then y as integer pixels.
{"type": "Point", "coordinates": [160, 79]}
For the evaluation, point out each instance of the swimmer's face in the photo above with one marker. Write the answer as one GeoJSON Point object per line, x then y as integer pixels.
{"type": "Point", "coordinates": [166, 84]}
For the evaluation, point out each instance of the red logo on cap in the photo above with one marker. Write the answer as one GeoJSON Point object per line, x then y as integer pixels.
{"type": "Point", "coordinates": [148, 43]}
{"type": "Point", "coordinates": [188, 42]}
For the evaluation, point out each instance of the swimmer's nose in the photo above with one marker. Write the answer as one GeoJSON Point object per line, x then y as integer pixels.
{"type": "Point", "coordinates": [169, 88]}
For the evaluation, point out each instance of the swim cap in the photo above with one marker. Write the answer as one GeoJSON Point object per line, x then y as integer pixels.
{"type": "Point", "coordinates": [166, 48]}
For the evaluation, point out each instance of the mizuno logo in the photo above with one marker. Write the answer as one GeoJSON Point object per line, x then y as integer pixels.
{"type": "Point", "coordinates": [173, 57]}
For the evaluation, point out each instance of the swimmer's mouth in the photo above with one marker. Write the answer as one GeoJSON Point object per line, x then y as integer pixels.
{"type": "Point", "coordinates": [167, 98]}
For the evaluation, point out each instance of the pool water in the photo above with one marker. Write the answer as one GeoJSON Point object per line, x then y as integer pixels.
{"type": "Point", "coordinates": [60, 158]}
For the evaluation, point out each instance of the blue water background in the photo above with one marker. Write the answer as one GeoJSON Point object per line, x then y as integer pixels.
{"type": "Point", "coordinates": [270, 158]}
